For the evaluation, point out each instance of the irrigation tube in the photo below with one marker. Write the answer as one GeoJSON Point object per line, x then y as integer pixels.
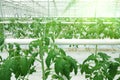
{"type": "Point", "coordinates": [70, 41]}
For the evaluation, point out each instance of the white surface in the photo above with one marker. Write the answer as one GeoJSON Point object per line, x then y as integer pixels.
{"type": "Point", "coordinates": [71, 41]}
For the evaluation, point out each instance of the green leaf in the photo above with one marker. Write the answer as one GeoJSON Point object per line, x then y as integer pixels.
{"type": "Point", "coordinates": [87, 76]}
{"type": "Point", "coordinates": [66, 70]}
{"type": "Point", "coordinates": [117, 59]}
{"type": "Point", "coordinates": [98, 77]}
{"type": "Point", "coordinates": [32, 70]}
{"type": "Point", "coordinates": [35, 44]}
{"type": "Point", "coordinates": [50, 57]}
{"type": "Point", "coordinates": [31, 61]}
{"type": "Point", "coordinates": [59, 64]}
{"type": "Point", "coordinates": [65, 65]}
{"type": "Point", "coordinates": [47, 73]}
{"type": "Point", "coordinates": [57, 77]}
{"type": "Point", "coordinates": [1, 40]}
{"type": "Point", "coordinates": [62, 52]}
{"type": "Point", "coordinates": [48, 60]}
{"type": "Point", "coordinates": [17, 46]}
{"type": "Point", "coordinates": [1, 34]}
{"type": "Point", "coordinates": [113, 70]}
{"type": "Point", "coordinates": [24, 65]}
{"type": "Point", "coordinates": [10, 46]}
{"type": "Point", "coordinates": [73, 64]}
{"type": "Point", "coordinates": [104, 56]}
{"type": "Point", "coordinates": [91, 57]}
{"type": "Point", "coordinates": [46, 41]}
{"type": "Point", "coordinates": [15, 66]}
{"type": "Point", "coordinates": [85, 68]}
{"type": "Point", "coordinates": [5, 72]}
{"type": "Point", "coordinates": [0, 58]}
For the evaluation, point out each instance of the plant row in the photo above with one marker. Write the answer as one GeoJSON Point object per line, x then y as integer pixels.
{"type": "Point", "coordinates": [64, 19]}
{"type": "Point", "coordinates": [56, 65]}
{"type": "Point", "coordinates": [59, 30]}
{"type": "Point", "coordinates": [54, 61]}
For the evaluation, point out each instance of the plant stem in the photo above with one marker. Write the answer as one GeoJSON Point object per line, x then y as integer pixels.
{"type": "Point", "coordinates": [42, 64]}
{"type": "Point", "coordinates": [96, 49]}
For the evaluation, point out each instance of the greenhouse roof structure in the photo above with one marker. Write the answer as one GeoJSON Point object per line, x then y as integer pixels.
{"type": "Point", "coordinates": [59, 39]}
{"type": "Point", "coordinates": [59, 8]}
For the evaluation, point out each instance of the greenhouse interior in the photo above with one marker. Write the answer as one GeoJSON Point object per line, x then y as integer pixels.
{"type": "Point", "coordinates": [59, 39]}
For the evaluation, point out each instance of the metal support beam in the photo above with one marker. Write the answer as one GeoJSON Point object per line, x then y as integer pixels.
{"type": "Point", "coordinates": [48, 8]}
{"type": "Point", "coordinates": [1, 8]}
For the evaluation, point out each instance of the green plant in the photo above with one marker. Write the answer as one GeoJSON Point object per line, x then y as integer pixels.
{"type": "Point", "coordinates": [99, 67]}
{"type": "Point", "coordinates": [1, 34]}
{"type": "Point", "coordinates": [54, 61]}
{"type": "Point", "coordinates": [55, 28]}
{"type": "Point", "coordinates": [19, 62]}
{"type": "Point", "coordinates": [63, 64]}
{"type": "Point", "coordinates": [118, 70]}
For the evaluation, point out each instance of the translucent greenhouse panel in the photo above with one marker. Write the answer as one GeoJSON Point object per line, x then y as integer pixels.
{"type": "Point", "coordinates": [52, 8]}
{"type": "Point", "coordinates": [23, 8]}
{"type": "Point", "coordinates": [94, 8]}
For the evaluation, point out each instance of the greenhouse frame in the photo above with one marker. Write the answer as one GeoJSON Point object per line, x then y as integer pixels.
{"type": "Point", "coordinates": [59, 39]}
